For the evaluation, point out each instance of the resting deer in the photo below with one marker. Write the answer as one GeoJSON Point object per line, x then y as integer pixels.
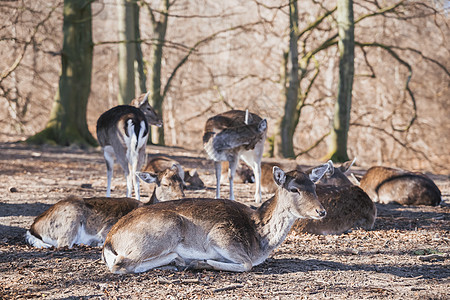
{"type": "Point", "coordinates": [388, 185]}
{"type": "Point", "coordinates": [159, 163]}
{"type": "Point", "coordinates": [347, 205]}
{"type": "Point", "coordinates": [122, 132]}
{"type": "Point", "coordinates": [232, 135]}
{"type": "Point", "coordinates": [216, 234]}
{"type": "Point", "coordinates": [169, 185]}
{"type": "Point", "coordinates": [333, 176]}
{"type": "Point", "coordinates": [244, 173]}
{"type": "Point", "coordinates": [75, 220]}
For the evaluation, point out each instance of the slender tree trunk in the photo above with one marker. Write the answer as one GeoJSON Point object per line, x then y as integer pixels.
{"type": "Point", "coordinates": [140, 64]}
{"type": "Point", "coordinates": [68, 124]}
{"type": "Point", "coordinates": [284, 140]}
{"type": "Point", "coordinates": [159, 30]}
{"type": "Point", "coordinates": [127, 50]}
{"type": "Point", "coordinates": [339, 134]}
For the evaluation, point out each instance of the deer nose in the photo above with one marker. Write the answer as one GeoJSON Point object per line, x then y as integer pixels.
{"type": "Point", "coordinates": [321, 213]}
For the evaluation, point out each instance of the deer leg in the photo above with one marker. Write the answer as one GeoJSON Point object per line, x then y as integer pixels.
{"type": "Point", "coordinates": [156, 262]}
{"type": "Point", "coordinates": [231, 172]}
{"type": "Point", "coordinates": [108, 153]}
{"type": "Point", "coordinates": [218, 167]}
{"type": "Point", "coordinates": [231, 267]}
{"type": "Point", "coordinates": [257, 172]}
{"type": "Point", "coordinates": [134, 179]}
{"type": "Point", "coordinates": [253, 159]}
{"type": "Point", "coordinates": [126, 169]}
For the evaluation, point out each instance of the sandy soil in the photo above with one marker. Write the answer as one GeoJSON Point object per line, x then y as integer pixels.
{"type": "Point", "coordinates": [406, 256]}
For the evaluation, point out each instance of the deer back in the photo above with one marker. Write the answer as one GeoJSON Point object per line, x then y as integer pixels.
{"type": "Point", "coordinates": [243, 171]}
{"type": "Point", "coordinates": [231, 133]}
{"type": "Point", "coordinates": [112, 125]}
{"type": "Point", "coordinates": [388, 185]}
{"type": "Point", "coordinates": [158, 164]}
{"type": "Point", "coordinates": [75, 220]}
{"type": "Point", "coordinates": [268, 185]}
{"type": "Point", "coordinates": [221, 234]}
{"type": "Point", "coordinates": [347, 207]}
{"type": "Point", "coordinates": [167, 184]}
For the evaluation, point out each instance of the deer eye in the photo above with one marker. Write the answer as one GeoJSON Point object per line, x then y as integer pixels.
{"type": "Point", "coordinates": [293, 190]}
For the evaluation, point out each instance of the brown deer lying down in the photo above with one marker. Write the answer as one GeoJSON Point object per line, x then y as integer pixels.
{"type": "Point", "coordinates": [122, 132]}
{"type": "Point", "coordinates": [235, 135]}
{"type": "Point", "coordinates": [347, 206]}
{"type": "Point", "coordinates": [160, 163]}
{"type": "Point", "coordinates": [169, 185]}
{"type": "Point", "coordinates": [333, 176]}
{"type": "Point", "coordinates": [75, 220]}
{"type": "Point", "coordinates": [244, 174]}
{"type": "Point", "coordinates": [216, 234]}
{"type": "Point", "coordinates": [388, 185]}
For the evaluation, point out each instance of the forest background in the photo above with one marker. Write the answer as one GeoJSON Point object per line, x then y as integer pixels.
{"type": "Point", "coordinates": [213, 56]}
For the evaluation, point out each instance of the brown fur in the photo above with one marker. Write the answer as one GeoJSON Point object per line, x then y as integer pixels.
{"type": "Point", "coordinates": [347, 207]}
{"type": "Point", "coordinates": [228, 138]}
{"type": "Point", "coordinates": [210, 233]}
{"type": "Point", "coordinates": [243, 171]}
{"type": "Point", "coordinates": [61, 222]}
{"type": "Point", "coordinates": [190, 178]}
{"type": "Point", "coordinates": [267, 183]}
{"type": "Point", "coordinates": [388, 185]}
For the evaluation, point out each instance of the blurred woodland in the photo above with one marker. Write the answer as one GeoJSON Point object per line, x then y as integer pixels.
{"type": "Point", "coordinates": [222, 55]}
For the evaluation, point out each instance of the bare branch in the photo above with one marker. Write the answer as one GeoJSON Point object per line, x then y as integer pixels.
{"type": "Point", "coordinates": [19, 58]}
{"type": "Point", "coordinates": [404, 145]}
{"type": "Point", "coordinates": [408, 79]}
{"type": "Point", "coordinates": [198, 44]}
{"type": "Point", "coordinates": [316, 23]}
{"type": "Point", "coordinates": [317, 143]}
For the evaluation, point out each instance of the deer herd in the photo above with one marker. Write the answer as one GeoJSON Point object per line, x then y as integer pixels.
{"type": "Point", "coordinates": [171, 231]}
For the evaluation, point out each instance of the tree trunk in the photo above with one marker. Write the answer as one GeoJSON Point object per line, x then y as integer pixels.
{"type": "Point", "coordinates": [68, 124]}
{"type": "Point", "coordinates": [337, 150]}
{"type": "Point", "coordinates": [159, 30]}
{"type": "Point", "coordinates": [140, 64]}
{"type": "Point", "coordinates": [284, 140]}
{"type": "Point", "coordinates": [127, 50]}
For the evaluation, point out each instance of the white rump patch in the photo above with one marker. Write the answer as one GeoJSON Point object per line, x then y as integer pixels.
{"type": "Point", "coordinates": [84, 238]}
{"type": "Point", "coordinates": [38, 243]}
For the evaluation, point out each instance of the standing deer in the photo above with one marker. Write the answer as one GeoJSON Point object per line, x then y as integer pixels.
{"type": "Point", "coordinates": [122, 132]}
{"type": "Point", "coordinates": [388, 185]}
{"type": "Point", "coordinates": [232, 135]}
{"type": "Point", "coordinates": [216, 234]}
{"type": "Point", "coordinates": [75, 220]}
{"type": "Point", "coordinates": [347, 206]}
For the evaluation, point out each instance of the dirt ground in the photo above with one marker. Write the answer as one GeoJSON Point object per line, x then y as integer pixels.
{"type": "Point", "coordinates": [406, 256]}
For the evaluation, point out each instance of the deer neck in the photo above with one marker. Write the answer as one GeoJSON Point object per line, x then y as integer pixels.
{"type": "Point", "coordinates": [274, 220]}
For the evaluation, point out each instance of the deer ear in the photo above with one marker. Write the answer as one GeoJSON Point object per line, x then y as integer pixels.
{"type": "Point", "coordinates": [145, 98]}
{"type": "Point", "coordinates": [318, 172]}
{"type": "Point", "coordinates": [279, 176]}
{"type": "Point", "coordinates": [347, 165]}
{"type": "Point", "coordinates": [330, 170]}
{"type": "Point", "coordinates": [147, 177]}
{"type": "Point", "coordinates": [174, 167]}
{"type": "Point", "coordinates": [262, 126]}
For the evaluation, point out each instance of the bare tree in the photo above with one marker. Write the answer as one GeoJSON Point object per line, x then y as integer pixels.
{"type": "Point", "coordinates": [339, 132]}
{"type": "Point", "coordinates": [127, 50]}
{"type": "Point", "coordinates": [284, 139]}
{"type": "Point", "coordinates": [67, 123]}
